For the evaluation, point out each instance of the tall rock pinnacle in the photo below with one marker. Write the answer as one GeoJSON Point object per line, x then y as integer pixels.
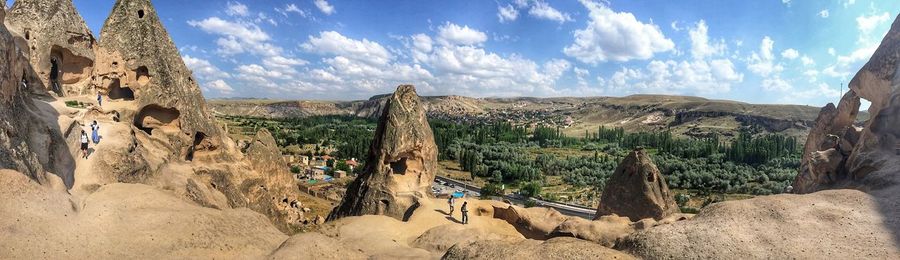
{"type": "Point", "coordinates": [401, 163]}
{"type": "Point", "coordinates": [637, 190]}
{"type": "Point", "coordinates": [138, 62]}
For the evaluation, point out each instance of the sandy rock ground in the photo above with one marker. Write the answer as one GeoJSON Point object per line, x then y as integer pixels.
{"type": "Point", "coordinates": [831, 224]}
{"type": "Point", "coordinates": [101, 219]}
{"type": "Point", "coordinates": [123, 221]}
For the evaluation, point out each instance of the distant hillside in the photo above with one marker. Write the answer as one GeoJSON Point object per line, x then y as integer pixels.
{"type": "Point", "coordinates": [690, 116]}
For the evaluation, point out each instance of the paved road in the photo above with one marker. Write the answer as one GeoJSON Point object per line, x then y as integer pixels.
{"type": "Point", "coordinates": [471, 190]}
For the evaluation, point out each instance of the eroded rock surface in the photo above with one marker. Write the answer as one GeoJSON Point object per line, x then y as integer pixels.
{"type": "Point", "coordinates": [401, 162]}
{"type": "Point", "coordinates": [838, 154]}
{"type": "Point", "coordinates": [136, 61]}
{"type": "Point", "coordinates": [637, 190]}
{"type": "Point", "coordinates": [58, 44]}
{"type": "Point", "coordinates": [27, 144]}
{"type": "Point", "coordinates": [557, 248]}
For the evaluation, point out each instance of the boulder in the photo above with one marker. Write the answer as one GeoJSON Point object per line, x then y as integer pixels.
{"type": "Point", "coordinates": [533, 223]}
{"type": "Point", "coordinates": [637, 190]}
{"type": "Point", "coordinates": [604, 231]}
{"type": "Point", "coordinates": [401, 162]}
{"type": "Point", "coordinates": [58, 43]}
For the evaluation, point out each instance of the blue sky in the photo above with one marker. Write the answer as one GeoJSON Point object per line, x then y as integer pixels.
{"type": "Point", "coordinates": [765, 51]}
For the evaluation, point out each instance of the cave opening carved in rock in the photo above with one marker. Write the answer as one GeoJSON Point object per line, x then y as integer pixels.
{"type": "Point", "coordinates": [117, 92]}
{"type": "Point", "coordinates": [199, 137]}
{"type": "Point", "coordinates": [406, 164]}
{"type": "Point", "coordinates": [157, 117]}
{"type": "Point", "coordinates": [142, 75]}
{"type": "Point", "coordinates": [68, 68]}
{"type": "Point", "coordinates": [54, 76]}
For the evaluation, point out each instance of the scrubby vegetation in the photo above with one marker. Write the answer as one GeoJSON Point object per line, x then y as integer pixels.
{"type": "Point", "coordinates": [519, 157]}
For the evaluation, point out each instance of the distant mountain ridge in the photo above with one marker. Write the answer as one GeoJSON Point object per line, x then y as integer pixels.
{"type": "Point", "coordinates": [685, 115]}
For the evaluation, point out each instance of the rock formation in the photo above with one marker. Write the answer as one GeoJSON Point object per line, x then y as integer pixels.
{"type": "Point", "coordinates": [401, 162]}
{"type": "Point", "coordinates": [637, 190]}
{"type": "Point", "coordinates": [136, 61]}
{"type": "Point", "coordinates": [533, 223]}
{"type": "Point", "coordinates": [59, 44]}
{"type": "Point", "coordinates": [27, 144]}
{"type": "Point", "coordinates": [837, 153]}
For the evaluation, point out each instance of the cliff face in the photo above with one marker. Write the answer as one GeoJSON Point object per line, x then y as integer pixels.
{"type": "Point", "coordinates": [27, 144]}
{"type": "Point", "coordinates": [59, 44]}
{"type": "Point", "coordinates": [402, 162]}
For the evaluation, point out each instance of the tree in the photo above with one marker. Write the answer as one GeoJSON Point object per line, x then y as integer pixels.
{"type": "Point", "coordinates": [491, 189]}
{"type": "Point", "coordinates": [531, 189]}
{"type": "Point", "coordinates": [341, 165]}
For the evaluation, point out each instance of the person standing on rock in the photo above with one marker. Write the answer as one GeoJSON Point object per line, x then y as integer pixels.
{"type": "Point", "coordinates": [99, 99]}
{"type": "Point", "coordinates": [465, 212]}
{"type": "Point", "coordinates": [450, 201]}
{"type": "Point", "coordinates": [95, 132]}
{"type": "Point", "coordinates": [84, 144]}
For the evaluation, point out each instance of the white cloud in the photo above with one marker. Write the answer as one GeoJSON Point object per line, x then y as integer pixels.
{"type": "Point", "coordinates": [763, 62]}
{"type": "Point", "coordinates": [450, 33]}
{"type": "Point", "coordinates": [831, 51]}
{"type": "Point", "coordinates": [203, 69]}
{"type": "Point", "coordinates": [507, 13]}
{"type": "Point", "coordinates": [543, 10]}
{"type": "Point", "coordinates": [848, 3]}
{"type": "Point", "coordinates": [237, 9]}
{"type": "Point", "coordinates": [581, 72]}
{"type": "Point", "coordinates": [824, 13]}
{"type": "Point", "coordinates": [790, 54]}
{"type": "Point", "coordinates": [700, 45]}
{"type": "Point", "coordinates": [776, 84]}
{"type": "Point", "coordinates": [866, 24]}
{"type": "Point", "coordinates": [786, 2]}
{"type": "Point", "coordinates": [324, 6]}
{"type": "Point", "coordinates": [807, 61]}
{"type": "Point", "coordinates": [220, 86]}
{"type": "Point", "coordinates": [333, 43]}
{"type": "Point", "coordinates": [616, 36]}
{"type": "Point", "coordinates": [671, 77]}
{"type": "Point", "coordinates": [292, 8]}
{"type": "Point", "coordinates": [237, 37]}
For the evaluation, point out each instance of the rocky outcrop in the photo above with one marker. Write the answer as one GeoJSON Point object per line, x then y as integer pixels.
{"type": "Point", "coordinates": [136, 61]}
{"type": "Point", "coordinates": [401, 162]}
{"type": "Point", "coordinates": [279, 193]}
{"type": "Point", "coordinates": [604, 231]}
{"type": "Point", "coordinates": [836, 224]}
{"type": "Point", "coordinates": [637, 190]}
{"type": "Point", "coordinates": [533, 223]}
{"type": "Point", "coordinates": [58, 43]}
{"type": "Point", "coordinates": [838, 154]}
{"type": "Point", "coordinates": [27, 144]}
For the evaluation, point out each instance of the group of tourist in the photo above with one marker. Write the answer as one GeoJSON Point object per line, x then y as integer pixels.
{"type": "Point", "coordinates": [464, 209]}
{"type": "Point", "coordinates": [95, 137]}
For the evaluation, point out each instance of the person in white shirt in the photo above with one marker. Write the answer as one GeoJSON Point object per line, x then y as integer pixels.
{"type": "Point", "coordinates": [84, 144]}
